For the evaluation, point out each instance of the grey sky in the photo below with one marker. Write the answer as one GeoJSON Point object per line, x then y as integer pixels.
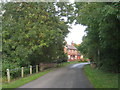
{"type": "Point", "coordinates": [76, 34]}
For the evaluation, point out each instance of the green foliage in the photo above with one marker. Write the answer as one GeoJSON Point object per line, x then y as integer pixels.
{"type": "Point", "coordinates": [32, 33]}
{"type": "Point", "coordinates": [64, 58]}
{"type": "Point", "coordinates": [101, 44]}
{"type": "Point", "coordinates": [101, 79]}
{"type": "Point", "coordinates": [22, 81]}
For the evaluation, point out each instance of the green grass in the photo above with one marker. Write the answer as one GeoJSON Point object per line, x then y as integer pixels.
{"type": "Point", "coordinates": [21, 81]}
{"type": "Point", "coordinates": [101, 79]}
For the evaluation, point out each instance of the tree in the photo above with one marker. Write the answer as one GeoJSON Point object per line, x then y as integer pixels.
{"type": "Point", "coordinates": [32, 33]}
{"type": "Point", "coordinates": [101, 43]}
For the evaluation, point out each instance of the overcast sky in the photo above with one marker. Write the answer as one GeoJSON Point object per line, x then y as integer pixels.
{"type": "Point", "coordinates": [76, 34]}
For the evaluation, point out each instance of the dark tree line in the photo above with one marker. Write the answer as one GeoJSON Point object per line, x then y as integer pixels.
{"type": "Point", "coordinates": [101, 44]}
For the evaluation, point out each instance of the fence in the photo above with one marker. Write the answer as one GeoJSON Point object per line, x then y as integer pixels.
{"type": "Point", "coordinates": [36, 69]}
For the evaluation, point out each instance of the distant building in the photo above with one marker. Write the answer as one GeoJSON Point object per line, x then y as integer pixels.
{"type": "Point", "coordinates": [71, 51]}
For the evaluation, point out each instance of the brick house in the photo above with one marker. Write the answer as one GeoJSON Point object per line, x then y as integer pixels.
{"type": "Point", "coordinates": [72, 52]}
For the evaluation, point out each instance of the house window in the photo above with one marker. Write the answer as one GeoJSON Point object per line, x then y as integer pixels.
{"type": "Point", "coordinates": [73, 56]}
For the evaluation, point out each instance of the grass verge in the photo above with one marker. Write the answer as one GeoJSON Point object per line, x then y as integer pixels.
{"type": "Point", "coordinates": [101, 79]}
{"type": "Point", "coordinates": [22, 81]}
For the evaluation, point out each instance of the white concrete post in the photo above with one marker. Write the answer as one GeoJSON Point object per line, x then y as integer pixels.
{"type": "Point", "coordinates": [36, 68]}
{"type": "Point", "coordinates": [8, 75]}
{"type": "Point", "coordinates": [22, 72]}
{"type": "Point", "coordinates": [30, 69]}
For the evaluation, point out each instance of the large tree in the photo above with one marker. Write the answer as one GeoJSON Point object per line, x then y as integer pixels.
{"type": "Point", "coordinates": [32, 33]}
{"type": "Point", "coordinates": [103, 23]}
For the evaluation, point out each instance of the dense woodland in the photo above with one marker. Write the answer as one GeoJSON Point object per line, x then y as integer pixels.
{"type": "Point", "coordinates": [34, 32]}
{"type": "Point", "coordinates": [101, 44]}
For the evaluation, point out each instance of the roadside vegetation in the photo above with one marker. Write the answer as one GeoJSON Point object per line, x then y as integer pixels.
{"type": "Point", "coordinates": [101, 79]}
{"type": "Point", "coordinates": [101, 42]}
{"type": "Point", "coordinates": [21, 81]}
{"type": "Point", "coordinates": [32, 35]}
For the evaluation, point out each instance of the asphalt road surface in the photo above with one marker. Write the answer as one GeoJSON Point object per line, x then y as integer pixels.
{"type": "Point", "coordinates": [71, 76]}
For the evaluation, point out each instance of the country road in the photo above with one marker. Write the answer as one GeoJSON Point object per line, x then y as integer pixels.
{"type": "Point", "coordinates": [71, 76]}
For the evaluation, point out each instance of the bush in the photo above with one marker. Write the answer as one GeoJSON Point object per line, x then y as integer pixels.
{"type": "Point", "coordinates": [14, 71]}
